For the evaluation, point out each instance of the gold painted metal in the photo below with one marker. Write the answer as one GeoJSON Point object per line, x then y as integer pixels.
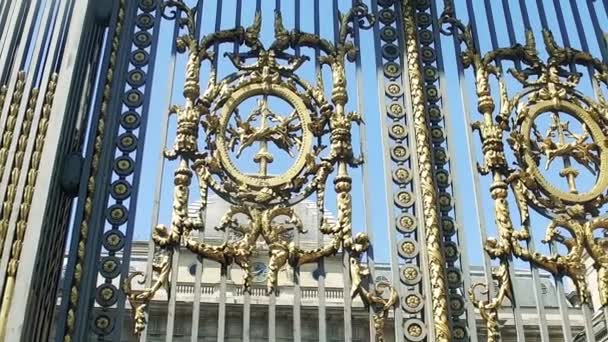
{"type": "Point", "coordinates": [24, 207]}
{"type": "Point", "coordinates": [428, 189]}
{"type": "Point", "coordinates": [262, 202]}
{"type": "Point", "coordinates": [549, 90]}
{"type": "Point", "coordinates": [7, 208]}
{"type": "Point", "coordinates": [3, 91]}
{"type": "Point", "coordinates": [91, 182]}
{"type": "Point", "coordinates": [7, 137]}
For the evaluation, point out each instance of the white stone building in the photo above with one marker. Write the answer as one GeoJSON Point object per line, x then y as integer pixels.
{"type": "Point", "coordinates": [309, 294]}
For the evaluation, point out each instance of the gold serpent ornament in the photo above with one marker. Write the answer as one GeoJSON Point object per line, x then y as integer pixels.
{"type": "Point", "coordinates": [262, 203]}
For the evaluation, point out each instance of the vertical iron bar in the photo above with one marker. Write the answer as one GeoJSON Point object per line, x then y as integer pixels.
{"type": "Point", "coordinates": [90, 261]}
{"type": "Point", "coordinates": [58, 20]}
{"type": "Point", "coordinates": [6, 7]}
{"type": "Point", "coordinates": [43, 35]}
{"type": "Point", "coordinates": [82, 121]}
{"type": "Point", "coordinates": [175, 254]}
{"type": "Point", "coordinates": [367, 214]}
{"type": "Point", "coordinates": [418, 208]}
{"type": "Point", "coordinates": [246, 316]}
{"type": "Point", "coordinates": [562, 303]}
{"type": "Point", "coordinates": [297, 293]}
{"type": "Point", "coordinates": [587, 313]}
{"type": "Point", "coordinates": [472, 159]}
{"type": "Point", "coordinates": [599, 34]}
{"type": "Point", "coordinates": [559, 286]}
{"type": "Point", "coordinates": [584, 46]}
{"type": "Point", "coordinates": [320, 210]}
{"type": "Point", "coordinates": [5, 20]}
{"type": "Point", "coordinates": [540, 306]}
{"type": "Point", "coordinates": [44, 191]}
{"type": "Point", "coordinates": [388, 186]}
{"type": "Point", "coordinates": [63, 13]}
{"type": "Point", "coordinates": [605, 2]}
{"type": "Point", "coordinates": [175, 250]}
{"type": "Point", "coordinates": [221, 321]}
{"type": "Point", "coordinates": [37, 62]}
{"type": "Point", "coordinates": [542, 15]}
{"type": "Point", "coordinates": [588, 317]}
{"type": "Point", "coordinates": [272, 314]}
{"type": "Point", "coordinates": [198, 273]}
{"type": "Point", "coordinates": [9, 38]}
{"type": "Point", "coordinates": [453, 162]}
{"type": "Point", "coordinates": [17, 125]}
{"type": "Point", "coordinates": [246, 294]}
{"type": "Point", "coordinates": [518, 321]}
{"type": "Point", "coordinates": [126, 259]}
{"type": "Point", "coordinates": [16, 59]}
{"type": "Point", "coordinates": [161, 160]}
{"type": "Point", "coordinates": [602, 43]}
{"type": "Point", "coordinates": [348, 326]}
{"type": "Point", "coordinates": [272, 299]}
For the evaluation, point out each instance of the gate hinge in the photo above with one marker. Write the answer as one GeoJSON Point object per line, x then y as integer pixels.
{"type": "Point", "coordinates": [71, 170]}
{"type": "Point", "coordinates": [102, 11]}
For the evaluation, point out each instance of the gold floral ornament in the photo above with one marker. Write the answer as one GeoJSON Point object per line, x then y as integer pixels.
{"type": "Point", "coordinates": [548, 123]}
{"type": "Point", "coordinates": [236, 121]}
{"type": "Point", "coordinates": [139, 299]}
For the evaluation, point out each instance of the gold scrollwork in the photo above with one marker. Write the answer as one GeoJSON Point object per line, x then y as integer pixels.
{"type": "Point", "coordinates": [262, 202]}
{"type": "Point", "coordinates": [549, 90]}
{"type": "Point", "coordinates": [139, 299]}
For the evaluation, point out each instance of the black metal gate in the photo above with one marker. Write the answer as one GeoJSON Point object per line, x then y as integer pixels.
{"type": "Point", "coordinates": [239, 170]}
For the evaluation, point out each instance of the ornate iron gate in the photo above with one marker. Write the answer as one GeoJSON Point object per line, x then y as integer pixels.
{"type": "Point", "coordinates": [313, 164]}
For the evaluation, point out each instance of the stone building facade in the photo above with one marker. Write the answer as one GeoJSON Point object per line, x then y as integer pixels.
{"type": "Point", "coordinates": [309, 293]}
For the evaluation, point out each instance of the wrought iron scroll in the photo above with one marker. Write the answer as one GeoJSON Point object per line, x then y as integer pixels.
{"type": "Point", "coordinates": [576, 136]}
{"type": "Point", "coordinates": [261, 203]}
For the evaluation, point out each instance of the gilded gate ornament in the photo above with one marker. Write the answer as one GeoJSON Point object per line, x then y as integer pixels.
{"type": "Point", "coordinates": [428, 189]}
{"type": "Point", "coordinates": [235, 121]}
{"type": "Point", "coordinates": [548, 123]}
